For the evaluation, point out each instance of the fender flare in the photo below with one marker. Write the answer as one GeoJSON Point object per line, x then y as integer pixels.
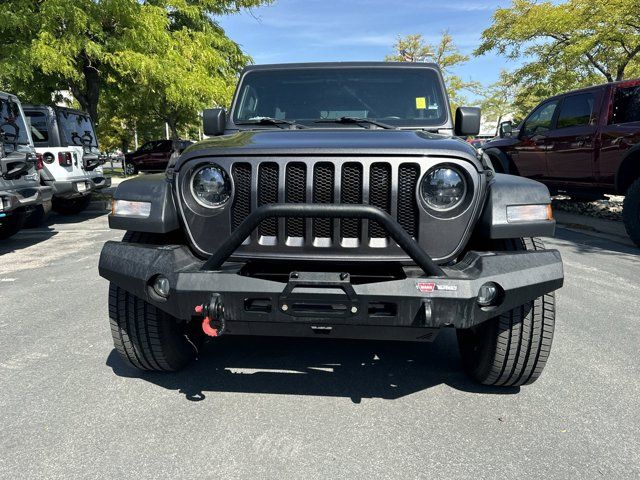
{"type": "Point", "coordinates": [503, 158]}
{"type": "Point", "coordinates": [628, 170]}
{"type": "Point", "coordinates": [154, 189]}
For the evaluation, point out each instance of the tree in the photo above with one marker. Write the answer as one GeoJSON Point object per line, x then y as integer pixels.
{"type": "Point", "coordinates": [413, 48]}
{"type": "Point", "coordinates": [85, 46]}
{"type": "Point", "coordinates": [565, 45]}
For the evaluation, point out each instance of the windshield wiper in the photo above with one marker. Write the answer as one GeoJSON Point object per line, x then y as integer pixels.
{"type": "Point", "coordinates": [357, 120]}
{"type": "Point", "coordinates": [278, 122]}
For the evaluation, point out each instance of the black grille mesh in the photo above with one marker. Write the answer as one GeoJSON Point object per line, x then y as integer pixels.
{"type": "Point", "coordinates": [407, 205]}
{"type": "Point", "coordinates": [295, 192]}
{"type": "Point", "coordinates": [351, 192]}
{"type": "Point", "coordinates": [379, 195]}
{"type": "Point", "coordinates": [323, 188]}
{"type": "Point", "coordinates": [268, 193]}
{"type": "Point", "coordinates": [241, 173]}
{"type": "Point", "coordinates": [323, 181]}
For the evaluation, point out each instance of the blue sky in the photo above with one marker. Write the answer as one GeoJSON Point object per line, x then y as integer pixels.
{"type": "Point", "coordinates": [333, 30]}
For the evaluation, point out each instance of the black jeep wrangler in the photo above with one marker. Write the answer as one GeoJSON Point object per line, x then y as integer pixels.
{"type": "Point", "coordinates": [335, 201]}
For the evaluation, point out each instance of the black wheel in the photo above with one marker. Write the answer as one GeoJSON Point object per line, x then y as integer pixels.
{"type": "Point", "coordinates": [11, 224]}
{"type": "Point", "coordinates": [631, 211]}
{"type": "Point", "coordinates": [130, 169]}
{"type": "Point", "coordinates": [512, 349]}
{"type": "Point", "coordinates": [71, 206]}
{"type": "Point", "coordinates": [37, 216]}
{"type": "Point", "coordinates": [146, 337]}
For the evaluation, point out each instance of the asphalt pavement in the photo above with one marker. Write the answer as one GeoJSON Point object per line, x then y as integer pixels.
{"type": "Point", "coordinates": [290, 408]}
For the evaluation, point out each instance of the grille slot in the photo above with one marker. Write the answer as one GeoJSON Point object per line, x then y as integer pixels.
{"type": "Point", "coordinates": [351, 192]}
{"type": "Point", "coordinates": [379, 195]}
{"type": "Point", "coordinates": [268, 193]}
{"type": "Point", "coordinates": [241, 173]}
{"type": "Point", "coordinates": [323, 181]}
{"type": "Point", "coordinates": [407, 205]}
{"type": "Point", "coordinates": [295, 192]}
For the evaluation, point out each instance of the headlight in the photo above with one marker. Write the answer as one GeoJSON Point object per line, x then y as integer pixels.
{"type": "Point", "coordinates": [211, 186]}
{"type": "Point", "coordinates": [443, 188]}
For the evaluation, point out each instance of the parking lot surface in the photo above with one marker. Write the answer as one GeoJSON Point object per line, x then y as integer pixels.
{"type": "Point", "coordinates": [288, 408]}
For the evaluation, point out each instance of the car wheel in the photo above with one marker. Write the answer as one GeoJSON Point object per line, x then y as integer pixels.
{"type": "Point", "coordinates": [130, 168]}
{"type": "Point", "coordinates": [11, 224]}
{"type": "Point", "coordinates": [37, 216]}
{"type": "Point", "coordinates": [146, 337]}
{"type": "Point", "coordinates": [71, 206]}
{"type": "Point", "coordinates": [631, 211]}
{"type": "Point", "coordinates": [512, 349]}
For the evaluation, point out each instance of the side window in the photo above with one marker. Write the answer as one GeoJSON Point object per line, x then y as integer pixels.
{"type": "Point", "coordinates": [576, 111]}
{"type": "Point", "coordinates": [39, 128]}
{"type": "Point", "coordinates": [540, 120]}
{"type": "Point", "coordinates": [146, 147]}
{"type": "Point", "coordinates": [626, 105]}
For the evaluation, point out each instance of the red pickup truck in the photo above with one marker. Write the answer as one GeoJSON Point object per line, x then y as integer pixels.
{"type": "Point", "coordinates": [585, 143]}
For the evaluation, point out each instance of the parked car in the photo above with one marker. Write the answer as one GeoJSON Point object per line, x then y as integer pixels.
{"type": "Point", "coordinates": [323, 207]}
{"type": "Point", "coordinates": [153, 156]}
{"type": "Point", "coordinates": [66, 141]}
{"type": "Point", "coordinates": [585, 143]}
{"type": "Point", "coordinates": [20, 190]}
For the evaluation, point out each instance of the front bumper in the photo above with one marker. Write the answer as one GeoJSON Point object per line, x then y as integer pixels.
{"type": "Point", "coordinates": [14, 199]}
{"type": "Point", "coordinates": [326, 302]}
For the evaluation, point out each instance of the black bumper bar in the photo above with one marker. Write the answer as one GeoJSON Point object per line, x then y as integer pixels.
{"type": "Point", "coordinates": [393, 228]}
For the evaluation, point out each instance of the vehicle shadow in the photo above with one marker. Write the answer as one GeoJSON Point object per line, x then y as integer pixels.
{"type": "Point", "coordinates": [322, 367]}
{"type": "Point", "coordinates": [26, 238]}
{"type": "Point", "coordinates": [583, 243]}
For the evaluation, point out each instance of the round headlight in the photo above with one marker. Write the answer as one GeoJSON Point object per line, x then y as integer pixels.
{"type": "Point", "coordinates": [211, 186]}
{"type": "Point", "coordinates": [443, 188]}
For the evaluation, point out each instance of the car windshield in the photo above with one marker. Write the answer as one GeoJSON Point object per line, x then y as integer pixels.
{"type": "Point", "coordinates": [77, 128]}
{"type": "Point", "coordinates": [12, 127]}
{"type": "Point", "coordinates": [397, 96]}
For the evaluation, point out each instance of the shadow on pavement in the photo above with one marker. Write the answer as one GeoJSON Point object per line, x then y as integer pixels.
{"type": "Point", "coordinates": [26, 238]}
{"type": "Point", "coordinates": [321, 367]}
{"type": "Point", "coordinates": [583, 243]}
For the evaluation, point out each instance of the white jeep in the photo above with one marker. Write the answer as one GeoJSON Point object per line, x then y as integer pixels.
{"type": "Point", "coordinates": [66, 141]}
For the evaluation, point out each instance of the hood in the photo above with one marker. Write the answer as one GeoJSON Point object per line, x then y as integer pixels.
{"type": "Point", "coordinates": [340, 141]}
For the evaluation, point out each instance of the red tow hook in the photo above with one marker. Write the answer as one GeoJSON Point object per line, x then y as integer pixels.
{"type": "Point", "coordinates": [212, 312]}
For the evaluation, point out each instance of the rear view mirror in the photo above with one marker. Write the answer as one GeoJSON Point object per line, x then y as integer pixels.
{"type": "Point", "coordinates": [505, 129]}
{"type": "Point", "coordinates": [467, 121]}
{"type": "Point", "coordinates": [214, 121]}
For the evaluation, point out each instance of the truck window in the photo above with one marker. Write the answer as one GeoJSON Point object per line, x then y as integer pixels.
{"type": "Point", "coordinates": [626, 105]}
{"type": "Point", "coordinates": [77, 128]}
{"type": "Point", "coordinates": [576, 110]}
{"type": "Point", "coordinates": [540, 120]}
{"type": "Point", "coordinates": [38, 125]}
{"type": "Point", "coordinates": [12, 124]}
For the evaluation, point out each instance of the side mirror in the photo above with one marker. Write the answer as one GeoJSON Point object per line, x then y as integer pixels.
{"type": "Point", "coordinates": [214, 121]}
{"type": "Point", "coordinates": [467, 121]}
{"type": "Point", "coordinates": [505, 129]}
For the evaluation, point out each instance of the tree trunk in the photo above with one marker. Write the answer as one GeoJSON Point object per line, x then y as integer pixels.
{"type": "Point", "coordinates": [88, 94]}
{"type": "Point", "coordinates": [173, 129]}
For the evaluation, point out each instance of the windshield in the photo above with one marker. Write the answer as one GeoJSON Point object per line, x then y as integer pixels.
{"type": "Point", "coordinates": [396, 96]}
{"type": "Point", "coordinates": [77, 128]}
{"type": "Point", "coordinates": [12, 126]}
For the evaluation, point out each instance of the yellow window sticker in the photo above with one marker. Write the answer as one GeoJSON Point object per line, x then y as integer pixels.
{"type": "Point", "coordinates": [421, 103]}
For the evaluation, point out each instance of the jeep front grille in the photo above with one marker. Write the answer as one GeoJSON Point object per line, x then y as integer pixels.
{"type": "Point", "coordinates": [351, 182]}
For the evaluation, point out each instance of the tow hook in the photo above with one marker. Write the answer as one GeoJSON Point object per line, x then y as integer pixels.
{"type": "Point", "coordinates": [213, 324]}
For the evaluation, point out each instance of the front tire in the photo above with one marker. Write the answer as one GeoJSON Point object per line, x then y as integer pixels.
{"type": "Point", "coordinates": [146, 337]}
{"type": "Point", "coordinates": [631, 212]}
{"type": "Point", "coordinates": [130, 169]}
{"type": "Point", "coordinates": [11, 224]}
{"type": "Point", "coordinates": [512, 349]}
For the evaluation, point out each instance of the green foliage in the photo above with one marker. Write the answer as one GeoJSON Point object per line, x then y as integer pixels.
{"type": "Point", "coordinates": [413, 48]}
{"type": "Point", "coordinates": [564, 45]}
{"type": "Point", "coordinates": [130, 63]}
